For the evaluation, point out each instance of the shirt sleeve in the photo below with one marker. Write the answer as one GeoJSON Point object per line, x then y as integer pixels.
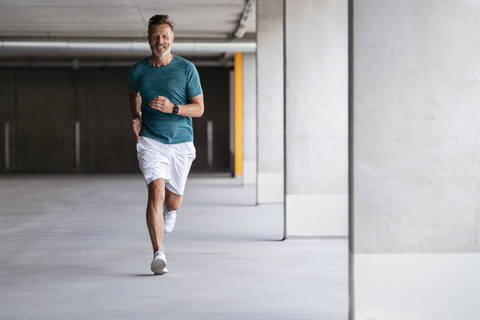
{"type": "Point", "coordinates": [132, 79]}
{"type": "Point", "coordinates": [194, 88]}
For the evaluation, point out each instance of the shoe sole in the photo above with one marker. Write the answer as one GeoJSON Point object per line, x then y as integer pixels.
{"type": "Point", "coordinates": [159, 265]}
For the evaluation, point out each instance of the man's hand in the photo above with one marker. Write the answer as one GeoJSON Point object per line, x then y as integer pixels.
{"type": "Point", "coordinates": [137, 126]}
{"type": "Point", "coordinates": [162, 103]}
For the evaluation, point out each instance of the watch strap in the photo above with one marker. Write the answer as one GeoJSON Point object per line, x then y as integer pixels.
{"type": "Point", "coordinates": [175, 108]}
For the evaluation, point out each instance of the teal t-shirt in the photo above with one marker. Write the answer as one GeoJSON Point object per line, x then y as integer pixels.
{"type": "Point", "coordinates": [179, 82]}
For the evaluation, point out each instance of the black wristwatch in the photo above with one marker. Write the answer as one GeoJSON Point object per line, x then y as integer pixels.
{"type": "Point", "coordinates": [175, 109]}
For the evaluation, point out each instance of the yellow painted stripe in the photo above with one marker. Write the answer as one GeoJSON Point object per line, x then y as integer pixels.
{"type": "Point", "coordinates": [238, 113]}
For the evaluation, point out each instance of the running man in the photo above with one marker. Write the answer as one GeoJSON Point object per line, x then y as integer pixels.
{"type": "Point", "coordinates": [165, 92]}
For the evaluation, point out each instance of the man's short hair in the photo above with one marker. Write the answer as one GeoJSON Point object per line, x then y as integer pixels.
{"type": "Point", "coordinates": [159, 19]}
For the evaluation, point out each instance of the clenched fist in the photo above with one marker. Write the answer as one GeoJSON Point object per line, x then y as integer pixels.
{"type": "Point", "coordinates": [161, 103]}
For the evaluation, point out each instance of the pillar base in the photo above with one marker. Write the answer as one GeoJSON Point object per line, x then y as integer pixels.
{"type": "Point", "coordinates": [317, 215]}
{"type": "Point", "coordinates": [416, 286]}
{"type": "Point", "coordinates": [270, 187]}
{"type": "Point", "coordinates": [249, 172]}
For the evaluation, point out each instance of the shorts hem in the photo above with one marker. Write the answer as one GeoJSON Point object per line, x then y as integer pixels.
{"type": "Point", "coordinates": [166, 141]}
{"type": "Point", "coordinates": [150, 180]}
{"type": "Point", "coordinates": [172, 189]}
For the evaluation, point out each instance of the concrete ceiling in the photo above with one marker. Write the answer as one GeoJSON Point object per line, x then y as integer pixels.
{"type": "Point", "coordinates": [194, 19]}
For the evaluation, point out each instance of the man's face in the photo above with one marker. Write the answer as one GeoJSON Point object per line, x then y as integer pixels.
{"type": "Point", "coordinates": [160, 39]}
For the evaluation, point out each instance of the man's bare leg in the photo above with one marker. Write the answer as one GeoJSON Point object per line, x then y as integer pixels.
{"type": "Point", "coordinates": [172, 200]}
{"type": "Point", "coordinates": [156, 196]}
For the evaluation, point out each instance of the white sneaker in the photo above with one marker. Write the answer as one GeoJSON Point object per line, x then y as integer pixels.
{"type": "Point", "coordinates": [169, 218]}
{"type": "Point", "coordinates": [159, 263]}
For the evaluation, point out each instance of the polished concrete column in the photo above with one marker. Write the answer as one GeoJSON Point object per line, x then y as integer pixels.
{"type": "Point", "coordinates": [270, 101]}
{"type": "Point", "coordinates": [249, 118]}
{"type": "Point", "coordinates": [316, 109]}
{"type": "Point", "coordinates": [416, 156]}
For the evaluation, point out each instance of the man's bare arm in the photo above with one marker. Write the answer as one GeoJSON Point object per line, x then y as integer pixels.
{"type": "Point", "coordinates": [135, 104]}
{"type": "Point", "coordinates": [194, 109]}
{"type": "Point", "coordinates": [135, 101]}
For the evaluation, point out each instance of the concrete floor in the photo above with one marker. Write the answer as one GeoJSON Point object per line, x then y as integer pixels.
{"type": "Point", "coordinates": [77, 247]}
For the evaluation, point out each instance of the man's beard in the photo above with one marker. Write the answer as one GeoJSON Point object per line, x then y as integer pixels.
{"type": "Point", "coordinates": [161, 54]}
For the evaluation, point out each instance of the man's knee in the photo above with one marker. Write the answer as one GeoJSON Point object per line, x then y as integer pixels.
{"type": "Point", "coordinates": [156, 190]}
{"type": "Point", "coordinates": [173, 202]}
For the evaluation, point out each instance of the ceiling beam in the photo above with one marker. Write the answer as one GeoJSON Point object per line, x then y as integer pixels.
{"type": "Point", "coordinates": [124, 48]}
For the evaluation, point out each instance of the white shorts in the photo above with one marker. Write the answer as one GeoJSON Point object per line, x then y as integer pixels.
{"type": "Point", "coordinates": [167, 161]}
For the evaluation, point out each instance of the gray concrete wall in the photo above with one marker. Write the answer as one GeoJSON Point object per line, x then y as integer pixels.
{"type": "Point", "coordinates": [249, 118]}
{"type": "Point", "coordinates": [110, 146]}
{"type": "Point", "coordinates": [7, 116]}
{"type": "Point", "coordinates": [215, 84]}
{"type": "Point", "coordinates": [416, 156]}
{"type": "Point", "coordinates": [416, 126]}
{"type": "Point", "coordinates": [42, 106]}
{"type": "Point", "coordinates": [44, 116]}
{"type": "Point", "coordinates": [270, 101]}
{"type": "Point", "coordinates": [316, 104]}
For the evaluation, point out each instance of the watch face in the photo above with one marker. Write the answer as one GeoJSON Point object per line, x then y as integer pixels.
{"type": "Point", "coordinates": [175, 109]}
